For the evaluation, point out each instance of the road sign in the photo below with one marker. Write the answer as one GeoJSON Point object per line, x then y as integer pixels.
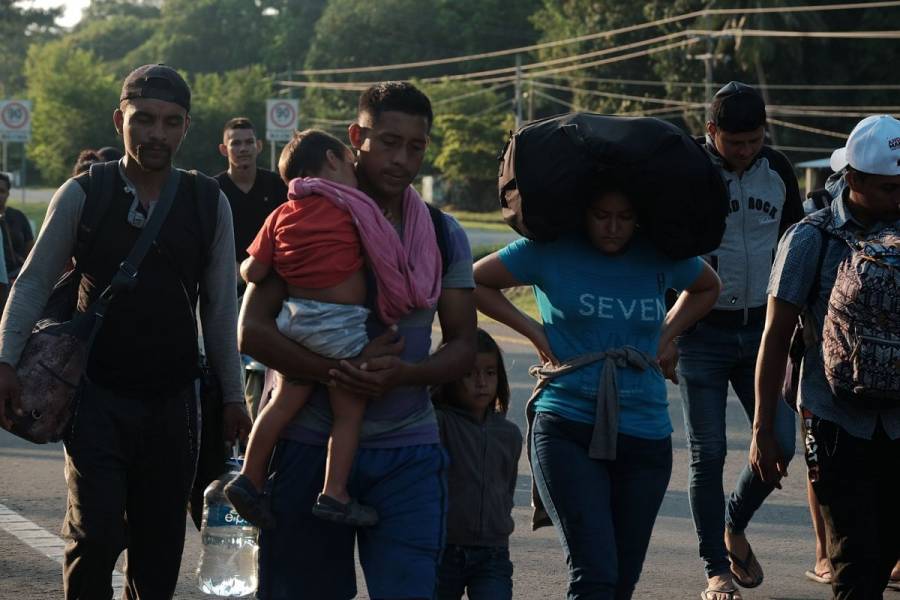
{"type": "Point", "coordinates": [281, 119]}
{"type": "Point", "coordinates": [15, 120]}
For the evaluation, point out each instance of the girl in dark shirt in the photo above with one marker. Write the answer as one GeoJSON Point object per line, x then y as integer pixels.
{"type": "Point", "coordinates": [484, 449]}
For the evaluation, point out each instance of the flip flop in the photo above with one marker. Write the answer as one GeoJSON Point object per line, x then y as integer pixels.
{"type": "Point", "coordinates": [825, 577]}
{"type": "Point", "coordinates": [704, 595]}
{"type": "Point", "coordinates": [741, 569]}
{"type": "Point", "coordinates": [894, 584]}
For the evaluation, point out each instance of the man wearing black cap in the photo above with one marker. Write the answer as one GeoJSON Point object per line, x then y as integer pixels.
{"type": "Point", "coordinates": [132, 448]}
{"type": "Point", "coordinates": [253, 192]}
{"type": "Point", "coordinates": [722, 348]}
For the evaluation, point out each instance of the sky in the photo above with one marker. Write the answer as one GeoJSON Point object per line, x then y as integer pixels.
{"type": "Point", "coordinates": [72, 9]}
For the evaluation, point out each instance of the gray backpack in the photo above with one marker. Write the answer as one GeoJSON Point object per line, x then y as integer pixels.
{"type": "Point", "coordinates": [861, 331]}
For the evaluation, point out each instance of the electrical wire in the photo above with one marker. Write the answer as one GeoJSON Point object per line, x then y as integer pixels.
{"type": "Point", "coordinates": [599, 35]}
{"type": "Point", "coordinates": [770, 86]}
{"type": "Point", "coordinates": [834, 134]}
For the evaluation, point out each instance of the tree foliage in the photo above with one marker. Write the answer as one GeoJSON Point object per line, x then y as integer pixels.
{"type": "Point", "coordinates": [235, 51]}
{"type": "Point", "coordinates": [20, 26]}
{"type": "Point", "coordinates": [70, 113]}
{"type": "Point", "coordinates": [215, 99]}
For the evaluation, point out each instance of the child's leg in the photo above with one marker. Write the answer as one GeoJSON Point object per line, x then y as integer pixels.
{"type": "Point", "coordinates": [348, 412]}
{"type": "Point", "coordinates": [287, 399]}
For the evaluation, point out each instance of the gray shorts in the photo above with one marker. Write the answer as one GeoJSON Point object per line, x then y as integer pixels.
{"type": "Point", "coordinates": [331, 330]}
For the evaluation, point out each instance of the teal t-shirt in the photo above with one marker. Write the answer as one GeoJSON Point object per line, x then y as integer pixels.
{"type": "Point", "coordinates": [590, 302]}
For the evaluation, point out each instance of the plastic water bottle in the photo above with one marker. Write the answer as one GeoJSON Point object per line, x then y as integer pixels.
{"type": "Point", "coordinates": [228, 563]}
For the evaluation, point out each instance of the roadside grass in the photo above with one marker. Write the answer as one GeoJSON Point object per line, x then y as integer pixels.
{"type": "Point", "coordinates": [35, 211]}
{"type": "Point", "coordinates": [485, 221]}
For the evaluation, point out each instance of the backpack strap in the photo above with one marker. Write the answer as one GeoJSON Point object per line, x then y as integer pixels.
{"type": "Point", "coordinates": [207, 191]}
{"type": "Point", "coordinates": [819, 199]}
{"type": "Point", "coordinates": [442, 235]}
{"type": "Point", "coordinates": [99, 187]}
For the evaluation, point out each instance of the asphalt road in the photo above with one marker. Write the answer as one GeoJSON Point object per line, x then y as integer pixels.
{"type": "Point", "coordinates": [32, 486]}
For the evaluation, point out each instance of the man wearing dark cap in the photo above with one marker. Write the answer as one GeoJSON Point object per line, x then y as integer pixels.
{"type": "Point", "coordinates": [131, 450]}
{"type": "Point", "coordinates": [253, 192]}
{"type": "Point", "coordinates": [764, 201]}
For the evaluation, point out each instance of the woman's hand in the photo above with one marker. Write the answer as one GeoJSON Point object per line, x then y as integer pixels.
{"type": "Point", "coordinates": [538, 337]}
{"type": "Point", "coordinates": [667, 359]}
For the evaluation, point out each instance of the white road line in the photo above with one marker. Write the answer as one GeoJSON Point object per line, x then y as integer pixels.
{"type": "Point", "coordinates": [43, 541]}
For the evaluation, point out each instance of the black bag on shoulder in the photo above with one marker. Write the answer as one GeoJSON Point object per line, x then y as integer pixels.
{"type": "Point", "coordinates": [54, 359]}
{"type": "Point", "coordinates": [550, 168]}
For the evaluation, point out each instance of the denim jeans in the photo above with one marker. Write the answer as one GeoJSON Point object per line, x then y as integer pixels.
{"type": "Point", "coordinates": [603, 511]}
{"type": "Point", "coordinates": [480, 572]}
{"type": "Point", "coordinates": [711, 358]}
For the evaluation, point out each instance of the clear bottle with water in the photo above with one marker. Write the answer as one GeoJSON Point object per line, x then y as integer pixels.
{"type": "Point", "coordinates": [228, 564]}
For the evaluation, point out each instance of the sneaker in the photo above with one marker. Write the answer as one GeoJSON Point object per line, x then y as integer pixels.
{"type": "Point", "coordinates": [251, 504]}
{"type": "Point", "coordinates": [352, 513]}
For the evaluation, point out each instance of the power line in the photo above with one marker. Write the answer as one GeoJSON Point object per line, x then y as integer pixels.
{"type": "Point", "coordinates": [811, 110]}
{"type": "Point", "coordinates": [470, 94]}
{"type": "Point", "coordinates": [771, 86]}
{"type": "Point", "coordinates": [500, 79]}
{"type": "Point", "coordinates": [598, 35]}
{"type": "Point", "coordinates": [835, 134]}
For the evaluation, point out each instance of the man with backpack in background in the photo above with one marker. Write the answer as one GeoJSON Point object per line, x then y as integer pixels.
{"type": "Point", "coordinates": [837, 268]}
{"type": "Point", "coordinates": [131, 450]}
{"type": "Point", "coordinates": [764, 201]}
{"type": "Point", "coordinates": [252, 192]}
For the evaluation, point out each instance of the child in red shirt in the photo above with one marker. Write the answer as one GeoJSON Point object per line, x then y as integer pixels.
{"type": "Point", "coordinates": [315, 247]}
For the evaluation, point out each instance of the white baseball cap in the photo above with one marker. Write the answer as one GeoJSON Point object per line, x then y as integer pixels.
{"type": "Point", "coordinates": [873, 147]}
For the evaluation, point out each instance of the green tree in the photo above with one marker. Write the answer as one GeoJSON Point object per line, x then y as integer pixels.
{"type": "Point", "coordinates": [562, 19]}
{"type": "Point", "coordinates": [215, 99]}
{"type": "Point", "coordinates": [470, 127]}
{"type": "Point", "coordinates": [112, 39]}
{"type": "Point", "coordinates": [289, 28]}
{"type": "Point", "coordinates": [353, 34]}
{"type": "Point", "coordinates": [19, 28]}
{"type": "Point", "coordinates": [105, 9]}
{"type": "Point", "coordinates": [204, 36]}
{"type": "Point", "coordinates": [70, 112]}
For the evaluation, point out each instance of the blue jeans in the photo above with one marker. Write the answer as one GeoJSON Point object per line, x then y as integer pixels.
{"type": "Point", "coordinates": [711, 357]}
{"type": "Point", "coordinates": [481, 572]}
{"type": "Point", "coordinates": [313, 558]}
{"type": "Point", "coordinates": [603, 510]}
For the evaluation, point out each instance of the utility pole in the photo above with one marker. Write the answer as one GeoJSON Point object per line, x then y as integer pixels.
{"type": "Point", "coordinates": [531, 100]}
{"type": "Point", "coordinates": [518, 99]}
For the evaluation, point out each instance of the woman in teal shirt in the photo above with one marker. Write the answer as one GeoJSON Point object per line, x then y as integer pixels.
{"type": "Point", "coordinates": [600, 441]}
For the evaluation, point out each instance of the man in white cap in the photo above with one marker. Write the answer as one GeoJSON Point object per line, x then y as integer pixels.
{"type": "Point", "coordinates": [851, 448]}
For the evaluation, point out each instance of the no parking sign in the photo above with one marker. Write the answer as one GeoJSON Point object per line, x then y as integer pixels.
{"type": "Point", "coordinates": [15, 120]}
{"type": "Point", "coordinates": [281, 119]}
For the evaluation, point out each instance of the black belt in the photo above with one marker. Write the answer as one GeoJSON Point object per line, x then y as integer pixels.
{"type": "Point", "coordinates": [736, 318]}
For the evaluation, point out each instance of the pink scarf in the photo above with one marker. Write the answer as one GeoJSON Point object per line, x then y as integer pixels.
{"type": "Point", "coordinates": [407, 273]}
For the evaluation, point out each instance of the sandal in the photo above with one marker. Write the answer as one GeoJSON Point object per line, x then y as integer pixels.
{"type": "Point", "coordinates": [743, 569]}
{"type": "Point", "coordinates": [823, 577]}
{"type": "Point", "coordinates": [704, 595]}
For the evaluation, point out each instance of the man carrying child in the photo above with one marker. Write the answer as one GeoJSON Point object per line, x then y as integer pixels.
{"type": "Point", "coordinates": [400, 468]}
